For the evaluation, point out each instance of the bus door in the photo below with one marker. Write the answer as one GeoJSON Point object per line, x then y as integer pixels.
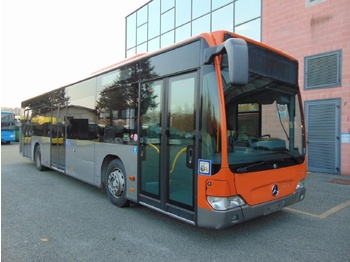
{"type": "Point", "coordinates": [57, 137]}
{"type": "Point", "coordinates": [26, 133]}
{"type": "Point", "coordinates": [166, 144]}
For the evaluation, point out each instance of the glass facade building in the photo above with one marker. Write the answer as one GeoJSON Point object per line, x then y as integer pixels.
{"type": "Point", "coordinates": [160, 23]}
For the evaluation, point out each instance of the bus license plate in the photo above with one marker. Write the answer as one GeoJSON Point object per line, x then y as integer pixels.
{"type": "Point", "coordinates": [274, 207]}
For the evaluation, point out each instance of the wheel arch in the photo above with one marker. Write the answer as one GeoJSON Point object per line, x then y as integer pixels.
{"type": "Point", "coordinates": [38, 150]}
{"type": "Point", "coordinates": [34, 150]}
{"type": "Point", "coordinates": [108, 158]}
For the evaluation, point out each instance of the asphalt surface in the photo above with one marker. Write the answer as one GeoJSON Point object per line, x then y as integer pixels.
{"type": "Point", "coordinates": [47, 216]}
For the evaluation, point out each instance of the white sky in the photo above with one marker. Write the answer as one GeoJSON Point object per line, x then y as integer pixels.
{"type": "Point", "coordinates": [46, 44]}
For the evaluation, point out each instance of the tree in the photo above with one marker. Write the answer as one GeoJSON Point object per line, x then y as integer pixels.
{"type": "Point", "coordinates": [122, 94]}
{"type": "Point", "coordinates": [43, 104]}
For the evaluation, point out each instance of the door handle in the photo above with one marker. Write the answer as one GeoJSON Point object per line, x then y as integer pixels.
{"type": "Point", "coordinates": [142, 151]}
{"type": "Point", "coordinates": [189, 156]}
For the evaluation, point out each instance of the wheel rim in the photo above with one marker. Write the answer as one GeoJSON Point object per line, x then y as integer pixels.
{"type": "Point", "coordinates": [116, 183]}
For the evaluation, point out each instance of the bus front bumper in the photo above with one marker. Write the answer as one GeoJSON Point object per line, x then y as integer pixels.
{"type": "Point", "coordinates": [221, 219]}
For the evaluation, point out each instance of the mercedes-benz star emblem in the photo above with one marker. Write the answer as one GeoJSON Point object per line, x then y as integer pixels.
{"type": "Point", "coordinates": [275, 190]}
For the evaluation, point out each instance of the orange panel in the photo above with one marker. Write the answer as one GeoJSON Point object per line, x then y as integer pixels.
{"type": "Point", "coordinates": [256, 187]}
{"type": "Point", "coordinates": [220, 184]}
{"type": "Point", "coordinates": [218, 188]}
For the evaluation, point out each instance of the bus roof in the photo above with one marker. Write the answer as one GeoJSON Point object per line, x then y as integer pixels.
{"type": "Point", "coordinates": [212, 38]}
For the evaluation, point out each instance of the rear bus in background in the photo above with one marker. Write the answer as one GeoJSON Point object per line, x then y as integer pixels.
{"type": "Point", "coordinates": [8, 127]}
{"type": "Point", "coordinates": [209, 131]}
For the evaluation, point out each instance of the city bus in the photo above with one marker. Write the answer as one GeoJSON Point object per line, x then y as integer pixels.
{"type": "Point", "coordinates": [8, 127]}
{"type": "Point", "coordinates": [209, 130]}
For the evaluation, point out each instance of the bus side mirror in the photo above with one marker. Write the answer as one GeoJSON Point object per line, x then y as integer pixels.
{"type": "Point", "coordinates": [237, 54]}
{"type": "Point", "coordinates": [17, 122]}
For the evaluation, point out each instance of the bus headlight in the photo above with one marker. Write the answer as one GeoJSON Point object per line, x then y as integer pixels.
{"type": "Point", "coordinates": [224, 203]}
{"type": "Point", "coordinates": [301, 184]}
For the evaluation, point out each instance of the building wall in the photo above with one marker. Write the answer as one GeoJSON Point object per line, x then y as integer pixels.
{"type": "Point", "coordinates": [160, 23]}
{"type": "Point", "coordinates": [303, 28]}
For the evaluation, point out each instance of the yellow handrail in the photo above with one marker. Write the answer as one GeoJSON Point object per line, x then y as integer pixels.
{"type": "Point", "coordinates": [156, 148]}
{"type": "Point", "coordinates": [175, 159]}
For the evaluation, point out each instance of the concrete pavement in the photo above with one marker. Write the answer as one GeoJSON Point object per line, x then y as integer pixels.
{"type": "Point", "coordinates": [326, 195]}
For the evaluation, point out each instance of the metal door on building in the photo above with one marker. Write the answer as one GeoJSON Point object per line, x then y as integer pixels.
{"type": "Point", "coordinates": [323, 135]}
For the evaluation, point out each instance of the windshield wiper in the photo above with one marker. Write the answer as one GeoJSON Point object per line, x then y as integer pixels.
{"type": "Point", "coordinates": [246, 168]}
{"type": "Point", "coordinates": [296, 159]}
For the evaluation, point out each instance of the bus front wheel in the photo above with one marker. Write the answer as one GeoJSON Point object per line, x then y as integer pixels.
{"type": "Point", "coordinates": [115, 183]}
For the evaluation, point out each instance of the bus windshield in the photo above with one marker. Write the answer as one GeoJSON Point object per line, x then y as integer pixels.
{"type": "Point", "coordinates": [264, 125]}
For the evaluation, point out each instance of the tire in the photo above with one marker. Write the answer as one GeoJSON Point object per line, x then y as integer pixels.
{"type": "Point", "coordinates": [115, 183]}
{"type": "Point", "coordinates": [37, 159]}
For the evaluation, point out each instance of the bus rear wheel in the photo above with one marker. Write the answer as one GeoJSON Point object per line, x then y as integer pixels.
{"type": "Point", "coordinates": [115, 183]}
{"type": "Point", "coordinates": [37, 159]}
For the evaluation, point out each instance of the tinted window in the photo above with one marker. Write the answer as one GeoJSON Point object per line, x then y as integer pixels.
{"type": "Point", "coordinates": [182, 59]}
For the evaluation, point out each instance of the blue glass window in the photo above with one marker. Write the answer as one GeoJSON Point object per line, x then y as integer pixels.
{"type": "Point", "coordinates": [154, 19]}
{"type": "Point", "coordinates": [166, 5]}
{"type": "Point", "coordinates": [167, 39]}
{"type": "Point", "coordinates": [183, 12]}
{"type": "Point", "coordinates": [251, 29]}
{"type": "Point", "coordinates": [183, 32]}
{"type": "Point", "coordinates": [201, 25]}
{"type": "Point", "coordinates": [131, 52]}
{"type": "Point", "coordinates": [163, 22]}
{"type": "Point", "coordinates": [219, 3]}
{"type": "Point", "coordinates": [167, 21]}
{"type": "Point", "coordinates": [153, 44]}
{"type": "Point", "coordinates": [222, 18]}
{"type": "Point", "coordinates": [142, 16]}
{"type": "Point", "coordinates": [142, 48]}
{"type": "Point", "coordinates": [200, 7]}
{"type": "Point", "coordinates": [246, 10]}
{"type": "Point", "coordinates": [131, 31]}
{"type": "Point", "coordinates": [142, 34]}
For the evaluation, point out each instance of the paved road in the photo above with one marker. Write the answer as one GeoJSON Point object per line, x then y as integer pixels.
{"type": "Point", "coordinates": [47, 216]}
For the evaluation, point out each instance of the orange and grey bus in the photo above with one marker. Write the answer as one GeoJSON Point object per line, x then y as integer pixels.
{"type": "Point", "coordinates": [209, 130]}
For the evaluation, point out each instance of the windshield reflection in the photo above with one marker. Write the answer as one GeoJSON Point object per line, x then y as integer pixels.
{"type": "Point", "coordinates": [264, 124]}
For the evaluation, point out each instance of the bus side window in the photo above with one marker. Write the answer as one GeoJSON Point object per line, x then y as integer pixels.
{"type": "Point", "coordinates": [78, 129]}
{"type": "Point", "coordinates": [211, 125]}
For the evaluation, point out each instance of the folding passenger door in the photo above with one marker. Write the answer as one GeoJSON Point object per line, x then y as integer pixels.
{"type": "Point", "coordinates": [58, 136]}
{"type": "Point", "coordinates": [26, 133]}
{"type": "Point", "coordinates": [167, 138]}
